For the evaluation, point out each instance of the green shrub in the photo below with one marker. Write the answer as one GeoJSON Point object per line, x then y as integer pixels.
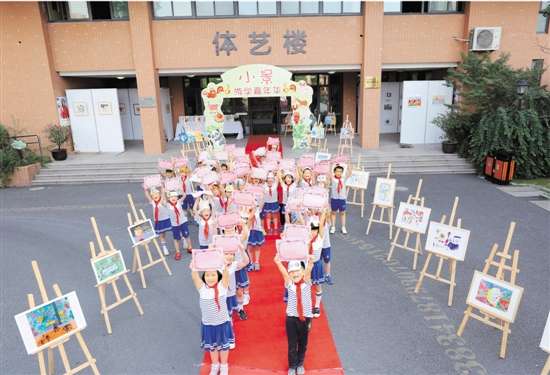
{"type": "Point", "coordinates": [57, 134]}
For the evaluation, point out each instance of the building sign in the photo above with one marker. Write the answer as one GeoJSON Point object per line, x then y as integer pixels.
{"type": "Point", "coordinates": [372, 82]}
{"type": "Point", "coordinates": [295, 42]}
{"type": "Point", "coordinates": [256, 80]}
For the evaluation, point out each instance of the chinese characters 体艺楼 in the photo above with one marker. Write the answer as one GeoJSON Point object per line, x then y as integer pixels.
{"type": "Point", "coordinates": [295, 42]}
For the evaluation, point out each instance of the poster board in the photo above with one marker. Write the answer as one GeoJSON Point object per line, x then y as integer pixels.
{"type": "Point", "coordinates": [384, 192]}
{"type": "Point", "coordinates": [358, 179]}
{"type": "Point", "coordinates": [108, 267]}
{"type": "Point", "coordinates": [446, 240]}
{"type": "Point", "coordinates": [412, 217]}
{"type": "Point", "coordinates": [141, 232]}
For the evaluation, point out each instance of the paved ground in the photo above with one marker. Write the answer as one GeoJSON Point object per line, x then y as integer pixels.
{"type": "Point", "coordinates": [379, 326]}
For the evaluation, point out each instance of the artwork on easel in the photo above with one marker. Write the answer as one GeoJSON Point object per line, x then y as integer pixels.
{"type": "Point", "coordinates": [50, 321]}
{"type": "Point", "coordinates": [322, 156]}
{"type": "Point", "coordinates": [141, 232]}
{"type": "Point", "coordinates": [545, 340]}
{"type": "Point", "coordinates": [108, 267]}
{"type": "Point", "coordinates": [384, 192]}
{"type": "Point", "coordinates": [495, 297]}
{"type": "Point", "coordinates": [318, 131]}
{"type": "Point", "coordinates": [346, 133]}
{"type": "Point", "coordinates": [358, 180]}
{"type": "Point", "coordinates": [412, 217]}
{"type": "Point", "coordinates": [451, 242]}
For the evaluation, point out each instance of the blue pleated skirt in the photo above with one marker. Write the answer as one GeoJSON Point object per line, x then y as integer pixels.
{"type": "Point", "coordinates": [256, 238]}
{"type": "Point", "coordinates": [218, 337]}
{"type": "Point", "coordinates": [162, 226]}
{"type": "Point", "coordinates": [317, 273]}
{"type": "Point", "coordinates": [241, 276]}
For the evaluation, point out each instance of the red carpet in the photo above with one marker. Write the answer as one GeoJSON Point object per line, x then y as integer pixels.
{"type": "Point", "coordinates": [261, 346]}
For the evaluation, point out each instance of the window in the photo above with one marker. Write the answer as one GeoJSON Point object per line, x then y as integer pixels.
{"type": "Point", "coordinates": [248, 8]}
{"type": "Point", "coordinates": [224, 8]}
{"type": "Point", "coordinates": [204, 8]}
{"type": "Point", "coordinates": [351, 6]}
{"type": "Point", "coordinates": [267, 7]}
{"type": "Point", "coordinates": [309, 7]}
{"type": "Point", "coordinates": [101, 10]}
{"type": "Point", "coordinates": [162, 9]}
{"type": "Point", "coordinates": [332, 7]}
{"type": "Point", "coordinates": [392, 6]}
{"type": "Point", "coordinates": [119, 9]}
{"type": "Point", "coordinates": [290, 7]}
{"type": "Point", "coordinates": [543, 16]}
{"type": "Point", "coordinates": [441, 6]}
{"type": "Point", "coordinates": [78, 10]}
{"type": "Point", "coordinates": [82, 10]}
{"type": "Point", "coordinates": [182, 9]}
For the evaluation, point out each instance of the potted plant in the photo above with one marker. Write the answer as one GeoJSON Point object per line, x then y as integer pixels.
{"type": "Point", "coordinates": [58, 135]}
{"type": "Point", "coordinates": [453, 128]}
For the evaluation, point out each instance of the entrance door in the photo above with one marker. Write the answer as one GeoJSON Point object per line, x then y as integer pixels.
{"type": "Point", "coordinates": [440, 94]}
{"type": "Point", "coordinates": [81, 113]}
{"type": "Point", "coordinates": [389, 107]}
{"type": "Point", "coordinates": [263, 115]}
{"type": "Point", "coordinates": [125, 114]}
{"type": "Point", "coordinates": [107, 119]}
{"type": "Point", "coordinates": [414, 110]}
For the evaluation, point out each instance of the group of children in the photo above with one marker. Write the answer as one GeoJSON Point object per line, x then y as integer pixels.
{"type": "Point", "coordinates": [209, 192]}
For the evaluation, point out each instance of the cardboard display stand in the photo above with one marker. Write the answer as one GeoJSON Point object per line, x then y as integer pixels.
{"type": "Point", "coordinates": [346, 143]}
{"type": "Point", "coordinates": [358, 195]}
{"type": "Point", "coordinates": [381, 220]}
{"type": "Point", "coordinates": [417, 249]}
{"type": "Point", "coordinates": [101, 288]}
{"type": "Point", "coordinates": [499, 260]}
{"type": "Point", "coordinates": [49, 368]}
{"type": "Point", "coordinates": [442, 259]}
{"type": "Point", "coordinates": [137, 264]}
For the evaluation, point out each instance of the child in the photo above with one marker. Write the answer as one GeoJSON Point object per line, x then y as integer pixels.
{"type": "Point", "coordinates": [317, 225]}
{"type": "Point", "coordinates": [298, 311]}
{"type": "Point", "coordinates": [257, 156]}
{"type": "Point", "coordinates": [187, 189]}
{"type": "Point", "coordinates": [338, 196]}
{"type": "Point", "coordinates": [178, 220]}
{"type": "Point", "coordinates": [306, 178]}
{"type": "Point", "coordinates": [256, 237]}
{"type": "Point", "coordinates": [207, 226]}
{"type": "Point", "coordinates": [218, 199]}
{"type": "Point", "coordinates": [271, 205]}
{"type": "Point", "coordinates": [217, 332]}
{"type": "Point", "coordinates": [288, 186]}
{"type": "Point", "coordinates": [161, 215]}
{"type": "Point", "coordinates": [234, 263]}
{"type": "Point", "coordinates": [325, 252]}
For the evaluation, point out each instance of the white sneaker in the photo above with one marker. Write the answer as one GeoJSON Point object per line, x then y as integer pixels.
{"type": "Point", "coordinates": [224, 369]}
{"type": "Point", "coordinates": [232, 345]}
{"type": "Point", "coordinates": [333, 229]}
{"type": "Point", "coordinates": [214, 369]}
{"type": "Point", "coordinates": [246, 299]}
{"type": "Point", "coordinates": [165, 250]}
{"type": "Point", "coordinates": [344, 230]}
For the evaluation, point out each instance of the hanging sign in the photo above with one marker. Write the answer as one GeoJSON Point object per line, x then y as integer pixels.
{"type": "Point", "coordinates": [256, 80]}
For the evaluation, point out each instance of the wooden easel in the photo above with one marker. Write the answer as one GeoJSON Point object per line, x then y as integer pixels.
{"type": "Point", "coordinates": [358, 196]}
{"type": "Point", "coordinates": [417, 249]}
{"type": "Point", "coordinates": [332, 126]}
{"type": "Point", "coordinates": [101, 288]}
{"type": "Point", "coordinates": [546, 368]}
{"type": "Point", "coordinates": [381, 220]}
{"type": "Point", "coordinates": [316, 143]}
{"type": "Point", "coordinates": [452, 262]}
{"type": "Point", "coordinates": [346, 143]}
{"type": "Point", "coordinates": [137, 264]}
{"type": "Point", "coordinates": [59, 344]}
{"type": "Point", "coordinates": [501, 267]}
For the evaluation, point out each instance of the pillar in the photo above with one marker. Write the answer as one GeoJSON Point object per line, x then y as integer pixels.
{"type": "Point", "coordinates": [349, 97]}
{"type": "Point", "coordinates": [369, 98]}
{"type": "Point", "coordinates": [147, 77]}
{"type": "Point", "coordinates": [176, 98]}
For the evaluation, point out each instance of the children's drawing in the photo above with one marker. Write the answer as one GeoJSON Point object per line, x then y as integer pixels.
{"type": "Point", "coordinates": [495, 297]}
{"type": "Point", "coordinates": [412, 218]}
{"type": "Point", "coordinates": [108, 267]}
{"type": "Point", "coordinates": [50, 321]}
{"type": "Point", "coordinates": [358, 180]}
{"type": "Point", "coordinates": [384, 192]}
{"type": "Point", "coordinates": [346, 133]}
{"type": "Point", "coordinates": [141, 232]}
{"type": "Point", "coordinates": [446, 240]}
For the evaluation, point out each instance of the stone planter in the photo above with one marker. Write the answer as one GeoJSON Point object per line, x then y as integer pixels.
{"type": "Point", "coordinates": [22, 176]}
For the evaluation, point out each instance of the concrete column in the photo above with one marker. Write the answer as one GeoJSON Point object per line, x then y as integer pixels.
{"type": "Point", "coordinates": [349, 98]}
{"type": "Point", "coordinates": [176, 98]}
{"type": "Point", "coordinates": [147, 76]}
{"type": "Point", "coordinates": [369, 99]}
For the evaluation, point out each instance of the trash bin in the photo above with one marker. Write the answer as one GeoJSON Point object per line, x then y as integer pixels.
{"type": "Point", "coordinates": [499, 168]}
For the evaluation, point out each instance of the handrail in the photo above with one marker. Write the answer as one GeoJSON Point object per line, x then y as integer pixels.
{"type": "Point", "coordinates": [30, 143]}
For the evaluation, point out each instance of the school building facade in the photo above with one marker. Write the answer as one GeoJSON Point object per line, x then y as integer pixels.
{"type": "Point", "coordinates": [343, 49]}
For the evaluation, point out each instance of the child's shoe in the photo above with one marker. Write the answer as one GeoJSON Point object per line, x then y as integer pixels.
{"type": "Point", "coordinates": [344, 230]}
{"type": "Point", "coordinates": [316, 312]}
{"type": "Point", "coordinates": [333, 229]}
{"type": "Point", "coordinates": [177, 256]}
{"type": "Point", "coordinates": [291, 371]}
{"type": "Point", "coordinates": [246, 299]}
{"type": "Point", "coordinates": [242, 315]}
{"type": "Point", "coordinates": [328, 280]}
{"type": "Point", "coordinates": [189, 250]}
{"type": "Point", "coordinates": [300, 370]}
{"type": "Point", "coordinates": [256, 266]}
{"type": "Point", "coordinates": [214, 369]}
{"type": "Point", "coordinates": [224, 369]}
{"type": "Point", "coordinates": [165, 250]}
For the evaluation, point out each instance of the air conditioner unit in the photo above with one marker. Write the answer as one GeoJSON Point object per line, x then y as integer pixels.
{"type": "Point", "coordinates": [485, 38]}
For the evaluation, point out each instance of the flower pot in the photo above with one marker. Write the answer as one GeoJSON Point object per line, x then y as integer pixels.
{"type": "Point", "coordinates": [449, 147]}
{"type": "Point", "coordinates": [22, 176]}
{"type": "Point", "coordinates": [59, 154]}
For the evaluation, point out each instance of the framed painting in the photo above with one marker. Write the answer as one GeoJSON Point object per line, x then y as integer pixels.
{"type": "Point", "coordinates": [321, 156]}
{"type": "Point", "coordinates": [412, 217]}
{"type": "Point", "coordinates": [495, 297]}
{"type": "Point", "coordinates": [451, 242]}
{"type": "Point", "coordinates": [141, 232]}
{"type": "Point", "coordinates": [358, 180]}
{"type": "Point", "coordinates": [545, 340]}
{"type": "Point", "coordinates": [108, 267]}
{"type": "Point", "coordinates": [50, 322]}
{"type": "Point", "coordinates": [384, 192]}
{"type": "Point", "coordinates": [346, 133]}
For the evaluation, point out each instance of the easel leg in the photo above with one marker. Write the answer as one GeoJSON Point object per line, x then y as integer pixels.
{"type": "Point", "coordinates": [148, 251]}
{"type": "Point", "coordinates": [370, 219]}
{"type": "Point", "coordinates": [390, 219]}
{"type": "Point", "coordinates": [134, 260]}
{"type": "Point", "coordinates": [131, 290]}
{"type": "Point", "coordinates": [41, 363]}
{"type": "Point", "coordinates": [101, 291]}
{"type": "Point", "coordinates": [115, 290]}
{"type": "Point", "coordinates": [394, 242]}
{"type": "Point", "coordinates": [87, 353]}
{"type": "Point", "coordinates": [362, 202]}
{"type": "Point", "coordinates": [161, 255]}
{"type": "Point", "coordinates": [423, 273]}
{"type": "Point", "coordinates": [504, 342]}
{"type": "Point", "coordinates": [51, 362]}
{"type": "Point", "coordinates": [416, 252]}
{"type": "Point", "coordinates": [140, 268]}
{"type": "Point", "coordinates": [546, 368]}
{"type": "Point", "coordinates": [452, 284]}
{"type": "Point", "coordinates": [464, 321]}
{"type": "Point", "coordinates": [64, 358]}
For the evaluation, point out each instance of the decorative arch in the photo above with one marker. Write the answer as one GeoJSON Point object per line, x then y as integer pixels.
{"type": "Point", "coordinates": [258, 80]}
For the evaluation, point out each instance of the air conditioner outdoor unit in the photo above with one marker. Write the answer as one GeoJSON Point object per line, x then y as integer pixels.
{"type": "Point", "coordinates": [485, 38]}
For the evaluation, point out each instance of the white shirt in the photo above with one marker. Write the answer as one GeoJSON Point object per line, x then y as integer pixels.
{"type": "Point", "coordinates": [203, 240]}
{"type": "Point", "coordinates": [232, 287]}
{"type": "Point", "coordinates": [343, 194]}
{"type": "Point", "coordinates": [317, 248]}
{"type": "Point", "coordinates": [172, 213]}
{"type": "Point", "coordinates": [274, 196]}
{"type": "Point", "coordinates": [163, 211]}
{"type": "Point", "coordinates": [326, 236]}
{"type": "Point", "coordinates": [291, 305]}
{"type": "Point", "coordinates": [210, 315]}
{"type": "Point", "coordinates": [288, 190]}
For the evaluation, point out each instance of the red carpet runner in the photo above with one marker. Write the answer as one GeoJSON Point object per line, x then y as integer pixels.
{"type": "Point", "coordinates": [261, 346]}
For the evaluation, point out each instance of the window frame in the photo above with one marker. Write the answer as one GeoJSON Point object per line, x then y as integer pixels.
{"type": "Point", "coordinates": [424, 10]}
{"type": "Point", "coordinates": [540, 12]}
{"type": "Point", "coordinates": [90, 17]}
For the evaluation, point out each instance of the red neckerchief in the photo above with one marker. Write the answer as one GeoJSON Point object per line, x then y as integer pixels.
{"type": "Point", "coordinates": [206, 229]}
{"type": "Point", "coordinates": [270, 190]}
{"type": "Point", "coordinates": [216, 294]}
{"type": "Point", "coordinates": [222, 203]}
{"type": "Point", "coordinates": [175, 207]}
{"type": "Point", "coordinates": [183, 179]}
{"type": "Point", "coordinates": [299, 306]}
{"type": "Point", "coordinates": [340, 185]}
{"type": "Point", "coordinates": [311, 243]}
{"type": "Point", "coordinates": [308, 182]}
{"type": "Point", "coordinates": [156, 210]}
{"type": "Point", "coordinates": [288, 189]}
